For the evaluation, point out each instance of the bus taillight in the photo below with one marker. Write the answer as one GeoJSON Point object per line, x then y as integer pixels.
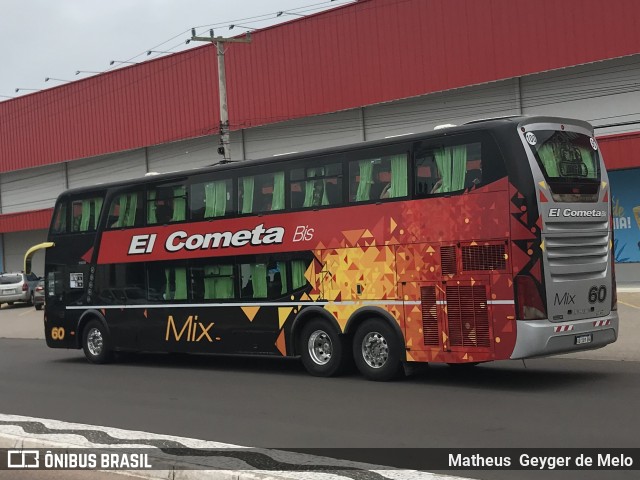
{"type": "Point", "coordinates": [529, 301]}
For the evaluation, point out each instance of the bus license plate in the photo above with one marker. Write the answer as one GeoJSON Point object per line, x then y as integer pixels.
{"type": "Point", "coordinates": [582, 339]}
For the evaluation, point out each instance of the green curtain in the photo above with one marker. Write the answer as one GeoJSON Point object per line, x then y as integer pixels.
{"type": "Point", "coordinates": [452, 164]}
{"type": "Point", "coordinates": [248, 185]}
{"type": "Point", "coordinates": [179, 204]}
{"type": "Point", "coordinates": [459, 170]}
{"type": "Point", "coordinates": [132, 207]}
{"type": "Point", "coordinates": [123, 204]}
{"type": "Point", "coordinates": [443, 161]}
{"type": "Point", "coordinates": [86, 215]}
{"type": "Point", "coordinates": [282, 268]}
{"type": "Point", "coordinates": [97, 208]}
{"type": "Point", "coordinates": [399, 177]}
{"type": "Point", "coordinates": [298, 269]}
{"type": "Point", "coordinates": [366, 179]}
{"type": "Point", "coordinates": [548, 158]}
{"type": "Point", "coordinates": [180, 277]}
{"type": "Point", "coordinates": [310, 199]}
{"type": "Point", "coordinates": [151, 208]}
{"type": "Point", "coordinates": [215, 199]}
{"type": "Point", "coordinates": [277, 200]}
{"type": "Point", "coordinates": [218, 282]}
{"type": "Point", "coordinates": [259, 280]}
{"type": "Point", "coordinates": [590, 159]}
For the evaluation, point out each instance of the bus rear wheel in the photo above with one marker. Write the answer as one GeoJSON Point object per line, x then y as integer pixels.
{"type": "Point", "coordinates": [376, 351]}
{"type": "Point", "coordinates": [322, 349]}
{"type": "Point", "coordinates": [95, 343]}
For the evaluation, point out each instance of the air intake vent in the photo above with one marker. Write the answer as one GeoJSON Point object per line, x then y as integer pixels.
{"type": "Point", "coordinates": [448, 260]}
{"type": "Point", "coordinates": [429, 316]}
{"type": "Point", "coordinates": [484, 257]}
{"type": "Point", "coordinates": [468, 316]}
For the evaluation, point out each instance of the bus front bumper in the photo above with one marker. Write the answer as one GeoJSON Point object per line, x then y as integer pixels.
{"type": "Point", "coordinates": [538, 338]}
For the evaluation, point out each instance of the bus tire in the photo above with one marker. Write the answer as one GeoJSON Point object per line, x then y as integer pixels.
{"type": "Point", "coordinates": [96, 343]}
{"type": "Point", "coordinates": [377, 351]}
{"type": "Point", "coordinates": [322, 349]}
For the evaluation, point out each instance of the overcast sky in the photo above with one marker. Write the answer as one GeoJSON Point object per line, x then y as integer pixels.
{"type": "Point", "coordinates": [55, 38]}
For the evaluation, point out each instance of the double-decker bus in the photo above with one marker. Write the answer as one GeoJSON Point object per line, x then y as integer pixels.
{"type": "Point", "coordinates": [487, 241]}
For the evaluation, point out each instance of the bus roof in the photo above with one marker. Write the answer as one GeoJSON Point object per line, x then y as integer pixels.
{"type": "Point", "coordinates": [475, 125]}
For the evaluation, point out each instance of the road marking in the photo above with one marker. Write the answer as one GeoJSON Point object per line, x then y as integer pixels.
{"type": "Point", "coordinates": [28, 312]}
{"type": "Point", "coordinates": [637, 307]}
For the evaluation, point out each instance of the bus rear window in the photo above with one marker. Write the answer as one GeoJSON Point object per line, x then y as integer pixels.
{"type": "Point", "coordinates": [569, 162]}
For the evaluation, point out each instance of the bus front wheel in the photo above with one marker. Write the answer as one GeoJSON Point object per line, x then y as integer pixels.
{"type": "Point", "coordinates": [376, 351]}
{"type": "Point", "coordinates": [95, 343]}
{"type": "Point", "coordinates": [322, 349]}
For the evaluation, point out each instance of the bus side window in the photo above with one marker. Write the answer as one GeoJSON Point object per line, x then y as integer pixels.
{"type": "Point", "coordinates": [378, 178]}
{"type": "Point", "coordinates": [316, 186]}
{"type": "Point", "coordinates": [211, 199]}
{"type": "Point", "coordinates": [213, 281]}
{"type": "Point", "coordinates": [167, 282]}
{"type": "Point", "coordinates": [253, 280]}
{"type": "Point", "coordinates": [125, 211]}
{"type": "Point", "coordinates": [167, 204]}
{"type": "Point", "coordinates": [448, 169]}
{"type": "Point", "coordinates": [428, 177]}
{"type": "Point", "coordinates": [59, 224]}
{"type": "Point", "coordinates": [261, 193]}
{"type": "Point", "coordinates": [85, 214]}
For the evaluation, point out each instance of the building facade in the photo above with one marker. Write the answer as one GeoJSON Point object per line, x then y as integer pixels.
{"type": "Point", "coordinates": [363, 71]}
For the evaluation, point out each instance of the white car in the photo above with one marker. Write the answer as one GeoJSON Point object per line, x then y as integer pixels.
{"type": "Point", "coordinates": [17, 287]}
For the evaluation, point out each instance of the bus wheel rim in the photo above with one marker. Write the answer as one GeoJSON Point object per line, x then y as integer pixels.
{"type": "Point", "coordinates": [375, 350]}
{"type": "Point", "coordinates": [95, 341]}
{"type": "Point", "coordinates": [320, 347]}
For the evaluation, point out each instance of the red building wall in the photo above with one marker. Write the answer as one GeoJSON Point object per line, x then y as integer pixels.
{"type": "Point", "coordinates": [364, 53]}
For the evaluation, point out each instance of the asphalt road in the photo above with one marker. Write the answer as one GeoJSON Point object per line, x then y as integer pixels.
{"type": "Point", "coordinates": [274, 403]}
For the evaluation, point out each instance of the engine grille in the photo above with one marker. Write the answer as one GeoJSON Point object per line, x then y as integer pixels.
{"type": "Point", "coordinates": [448, 260]}
{"type": "Point", "coordinates": [484, 257]}
{"type": "Point", "coordinates": [468, 316]}
{"type": "Point", "coordinates": [580, 256]}
{"type": "Point", "coordinates": [429, 316]}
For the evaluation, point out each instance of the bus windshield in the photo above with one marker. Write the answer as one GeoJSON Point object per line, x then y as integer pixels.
{"type": "Point", "coordinates": [569, 162]}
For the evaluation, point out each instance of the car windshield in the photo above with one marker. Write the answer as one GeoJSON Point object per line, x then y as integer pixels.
{"type": "Point", "coordinates": [8, 279]}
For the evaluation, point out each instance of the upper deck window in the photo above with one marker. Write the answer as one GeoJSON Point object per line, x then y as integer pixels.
{"type": "Point", "coordinates": [211, 199]}
{"type": "Point", "coordinates": [166, 203]}
{"type": "Point", "coordinates": [261, 193]}
{"type": "Point", "coordinates": [378, 178]}
{"type": "Point", "coordinates": [59, 224]}
{"type": "Point", "coordinates": [126, 211]}
{"type": "Point", "coordinates": [447, 169]}
{"type": "Point", "coordinates": [85, 214]}
{"type": "Point", "coordinates": [316, 186]}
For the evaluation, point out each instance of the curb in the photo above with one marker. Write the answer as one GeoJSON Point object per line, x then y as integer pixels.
{"type": "Point", "coordinates": [235, 462]}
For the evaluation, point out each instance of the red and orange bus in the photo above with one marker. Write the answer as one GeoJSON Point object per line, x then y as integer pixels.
{"type": "Point", "coordinates": [481, 242]}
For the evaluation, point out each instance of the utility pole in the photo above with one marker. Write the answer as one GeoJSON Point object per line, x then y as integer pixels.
{"type": "Point", "coordinates": [225, 142]}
